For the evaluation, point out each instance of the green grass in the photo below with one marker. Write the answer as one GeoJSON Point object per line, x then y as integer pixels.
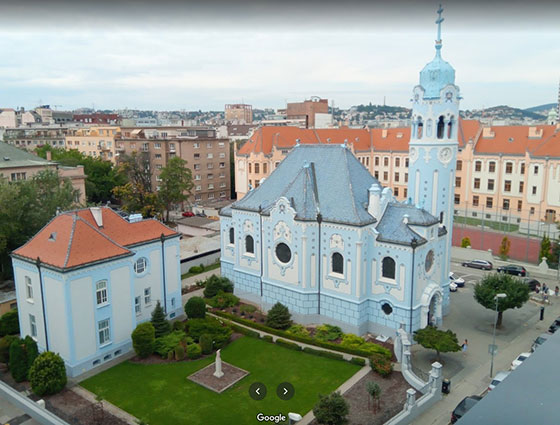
{"type": "Point", "coordinates": [206, 269]}
{"type": "Point", "coordinates": [160, 394]}
{"type": "Point", "coordinates": [496, 225]}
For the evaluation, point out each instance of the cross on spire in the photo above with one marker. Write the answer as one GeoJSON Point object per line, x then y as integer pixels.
{"type": "Point", "coordinates": [439, 20]}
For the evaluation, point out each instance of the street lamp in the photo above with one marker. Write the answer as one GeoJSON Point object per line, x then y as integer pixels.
{"type": "Point", "coordinates": [493, 348]}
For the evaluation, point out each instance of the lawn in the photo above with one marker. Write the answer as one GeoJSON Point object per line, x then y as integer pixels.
{"type": "Point", "coordinates": [206, 269]}
{"type": "Point", "coordinates": [160, 394]}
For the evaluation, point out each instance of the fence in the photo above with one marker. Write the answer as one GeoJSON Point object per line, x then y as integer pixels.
{"type": "Point", "coordinates": [486, 227]}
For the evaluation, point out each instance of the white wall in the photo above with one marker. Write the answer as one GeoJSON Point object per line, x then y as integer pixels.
{"type": "Point", "coordinates": [55, 301]}
{"type": "Point", "coordinates": [121, 304]}
{"type": "Point", "coordinates": [81, 296]}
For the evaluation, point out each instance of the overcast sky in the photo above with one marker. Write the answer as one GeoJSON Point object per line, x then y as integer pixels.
{"type": "Point", "coordinates": [204, 54]}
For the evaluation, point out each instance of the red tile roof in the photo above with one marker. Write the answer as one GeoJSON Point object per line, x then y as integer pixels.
{"type": "Point", "coordinates": [515, 140]}
{"type": "Point", "coordinates": [391, 139]}
{"type": "Point", "coordinates": [74, 239]}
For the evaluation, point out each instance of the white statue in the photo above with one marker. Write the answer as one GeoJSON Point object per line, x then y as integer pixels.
{"type": "Point", "coordinates": [218, 373]}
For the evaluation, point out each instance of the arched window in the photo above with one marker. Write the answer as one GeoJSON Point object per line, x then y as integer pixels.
{"type": "Point", "coordinates": [450, 128]}
{"type": "Point", "coordinates": [429, 128]}
{"type": "Point", "coordinates": [249, 245]}
{"type": "Point", "coordinates": [440, 128]}
{"type": "Point", "coordinates": [231, 235]}
{"type": "Point", "coordinates": [337, 262]}
{"type": "Point", "coordinates": [388, 268]}
{"type": "Point", "coordinates": [140, 265]}
{"type": "Point", "coordinates": [420, 128]}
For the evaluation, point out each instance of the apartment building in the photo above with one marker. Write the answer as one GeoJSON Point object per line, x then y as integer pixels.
{"type": "Point", "coordinates": [95, 141]}
{"type": "Point", "coordinates": [98, 118]}
{"type": "Point", "coordinates": [207, 156]}
{"type": "Point", "coordinates": [31, 137]}
{"type": "Point", "coordinates": [239, 113]}
{"type": "Point", "coordinates": [503, 173]}
{"type": "Point", "coordinates": [308, 110]}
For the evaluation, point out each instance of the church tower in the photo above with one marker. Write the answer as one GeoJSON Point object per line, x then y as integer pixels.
{"type": "Point", "coordinates": [433, 146]}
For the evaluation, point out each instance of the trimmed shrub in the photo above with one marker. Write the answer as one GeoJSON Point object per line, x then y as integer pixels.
{"type": "Point", "coordinates": [48, 374]}
{"type": "Point", "coordinates": [195, 308]}
{"type": "Point", "coordinates": [353, 341]}
{"type": "Point", "coordinates": [9, 323]}
{"type": "Point", "coordinates": [195, 269]}
{"type": "Point", "coordinates": [167, 343]}
{"type": "Point", "coordinates": [143, 339]}
{"type": "Point", "coordinates": [465, 242]}
{"type": "Point", "coordinates": [288, 344]}
{"type": "Point", "coordinates": [161, 324]}
{"type": "Point", "coordinates": [267, 338]}
{"type": "Point", "coordinates": [206, 343]}
{"type": "Point", "coordinates": [5, 343]}
{"type": "Point", "coordinates": [178, 325]}
{"type": "Point", "coordinates": [31, 350]}
{"type": "Point", "coordinates": [328, 333]}
{"type": "Point", "coordinates": [18, 360]}
{"type": "Point", "coordinates": [220, 333]}
{"type": "Point", "coordinates": [279, 317]}
{"type": "Point", "coordinates": [223, 300]}
{"type": "Point", "coordinates": [248, 308]}
{"type": "Point", "coordinates": [331, 409]}
{"type": "Point", "coordinates": [298, 330]}
{"type": "Point", "coordinates": [171, 355]}
{"type": "Point", "coordinates": [381, 365]}
{"type": "Point", "coordinates": [193, 351]}
{"type": "Point", "coordinates": [179, 352]}
{"type": "Point", "coordinates": [202, 267]}
{"type": "Point", "coordinates": [243, 330]}
{"type": "Point", "coordinates": [358, 360]}
{"type": "Point", "coordinates": [215, 284]}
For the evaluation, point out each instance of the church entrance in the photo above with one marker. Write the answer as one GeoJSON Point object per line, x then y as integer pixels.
{"type": "Point", "coordinates": [435, 303]}
{"type": "Point", "coordinates": [431, 306]}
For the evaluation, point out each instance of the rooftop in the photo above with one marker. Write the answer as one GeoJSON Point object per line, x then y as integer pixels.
{"type": "Point", "coordinates": [11, 157]}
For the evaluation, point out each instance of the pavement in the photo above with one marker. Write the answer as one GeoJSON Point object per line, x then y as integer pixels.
{"type": "Point", "coordinates": [11, 415]}
{"type": "Point", "coordinates": [470, 372]}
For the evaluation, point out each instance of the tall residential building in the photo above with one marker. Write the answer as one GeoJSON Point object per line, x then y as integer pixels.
{"type": "Point", "coordinates": [98, 118]}
{"type": "Point", "coordinates": [207, 156]}
{"type": "Point", "coordinates": [239, 113]}
{"type": "Point", "coordinates": [308, 110]}
{"type": "Point", "coordinates": [95, 141]}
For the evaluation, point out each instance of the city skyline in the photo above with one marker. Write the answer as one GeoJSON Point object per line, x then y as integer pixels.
{"type": "Point", "coordinates": [203, 57]}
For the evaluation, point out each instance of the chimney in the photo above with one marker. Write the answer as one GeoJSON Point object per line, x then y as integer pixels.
{"type": "Point", "coordinates": [374, 204]}
{"type": "Point", "coordinates": [97, 215]}
{"type": "Point", "coordinates": [49, 156]}
{"type": "Point", "coordinates": [384, 133]}
{"type": "Point", "coordinates": [487, 132]}
{"type": "Point", "coordinates": [405, 219]}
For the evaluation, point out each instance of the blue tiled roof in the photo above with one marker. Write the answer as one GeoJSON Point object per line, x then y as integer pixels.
{"type": "Point", "coordinates": [325, 179]}
{"type": "Point", "coordinates": [392, 228]}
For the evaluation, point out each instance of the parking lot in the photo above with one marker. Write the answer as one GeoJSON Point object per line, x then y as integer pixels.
{"type": "Point", "coordinates": [470, 372]}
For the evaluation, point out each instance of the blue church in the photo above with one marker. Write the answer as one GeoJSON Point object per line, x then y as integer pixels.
{"type": "Point", "coordinates": [322, 236]}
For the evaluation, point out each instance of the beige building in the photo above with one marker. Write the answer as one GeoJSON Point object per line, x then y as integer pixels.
{"type": "Point", "coordinates": [30, 138]}
{"type": "Point", "coordinates": [95, 141]}
{"type": "Point", "coordinates": [17, 164]}
{"type": "Point", "coordinates": [207, 156]}
{"type": "Point", "coordinates": [239, 113]}
{"type": "Point", "coordinates": [504, 173]}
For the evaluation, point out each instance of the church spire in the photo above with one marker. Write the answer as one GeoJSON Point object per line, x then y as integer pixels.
{"type": "Point", "coordinates": [439, 20]}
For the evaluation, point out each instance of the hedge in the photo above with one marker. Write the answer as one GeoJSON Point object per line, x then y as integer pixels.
{"type": "Point", "coordinates": [358, 360]}
{"type": "Point", "coordinates": [288, 344]}
{"type": "Point", "coordinates": [307, 340]}
{"type": "Point", "coordinates": [267, 338]}
{"type": "Point", "coordinates": [323, 353]}
{"type": "Point", "coordinates": [245, 331]}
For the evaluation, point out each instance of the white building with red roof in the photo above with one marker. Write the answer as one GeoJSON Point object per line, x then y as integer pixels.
{"type": "Point", "coordinates": [87, 278]}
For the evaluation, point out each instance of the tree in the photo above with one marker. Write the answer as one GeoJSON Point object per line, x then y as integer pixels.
{"type": "Point", "coordinates": [18, 361]}
{"type": "Point", "coordinates": [143, 339]}
{"type": "Point", "coordinates": [465, 242]}
{"type": "Point", "coordinates": [215, 284]}
{"type": "Point", "coordinates": [331, 409]}
{"type": "Point", "coordinates": [279, 317]}
{"type": "Point", "coordinates": [136, 195]}
{"type": "Point", "coordinates": [48, 374]}
{"type": "Point", "coordinates": [176, 183]}
{"type": "Point", "coordinates": [504, 248]}
{"type": "Point", "coordinates": [374, 390]}
{"type": "Point", "coordinates": [5, 343]}
{"type": "Point", "coordinates": [434, 339]}
{"type": "Point", "coordinates": [31, 350]}
{"type": "Point", "coordinates": [545, 248]}
{"type": "Point", "coordinates": [161, 324]}
{"type": "Point", "coordinates": [195, 308]}
{"type": "Point", "coordinates": [9, 323]}
{"type": "Point", "coordinates": [517, 293]}
{"type": "Point", "coordinates": [26, 206]}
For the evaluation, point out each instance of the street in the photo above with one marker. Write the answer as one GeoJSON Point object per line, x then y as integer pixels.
{"type": "Point", "coordinates": [469, 372]}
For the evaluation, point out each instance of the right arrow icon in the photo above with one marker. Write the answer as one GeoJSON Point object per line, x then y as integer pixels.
{"type": "Point", "coordinates": [285, 391]}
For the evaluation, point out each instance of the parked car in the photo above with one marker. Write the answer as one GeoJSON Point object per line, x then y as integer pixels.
{"type": "Point", "coordinates": [463, 407]}
{"type": "Point", "coordinates": [513, 269]}
{"type": "Point", "coordinates": [531, 282]}
{"type": "Point", "coordinates": [459, 281]}
{"type": "Point", "coordinates": [478, 264]}
{"type": "Point", "coordinates": [500, 376]}
{"type": "Point", "coordinates": [188, 214]}
{"type": "Point", "coordinates": [520, 359]}
{"type": "Point", "coordinates": [541, 339]}
{"type": "Point", "coordinates": [452, 287]}
{"type": "Point", "coordinates": [555, 325]}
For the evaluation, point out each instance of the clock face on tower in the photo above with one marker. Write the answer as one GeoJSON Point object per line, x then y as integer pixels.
{"type": "Point", "coordinates": [445, 155]}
